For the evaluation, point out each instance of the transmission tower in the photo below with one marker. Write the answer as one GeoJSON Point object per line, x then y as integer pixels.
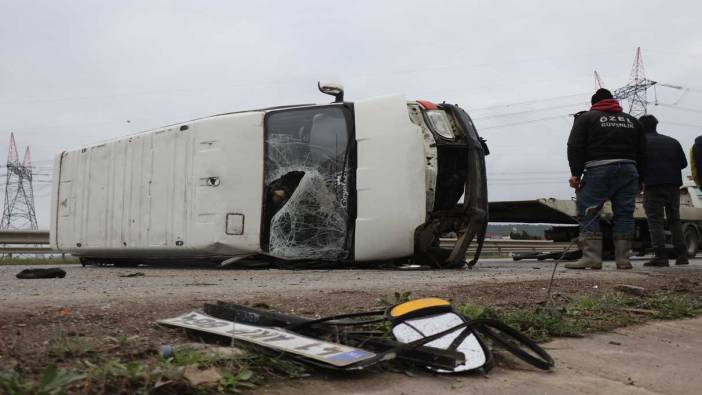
{"type": "Point", "coordinates": [18, 211]}
{"type": "Point", "coordinates": [635, 90]}
{"type": "Point", "coordinates": [598, 80]}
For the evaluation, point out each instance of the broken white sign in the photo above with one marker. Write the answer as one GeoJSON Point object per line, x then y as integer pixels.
{"type": "Point", "coordinates": [275, 338]}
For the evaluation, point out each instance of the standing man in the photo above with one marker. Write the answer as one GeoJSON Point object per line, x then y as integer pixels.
{"type": "Point", "coordinates": [666, 159]}
{"type": "Point", "coordinates": [607, 158]}
{"type": "Point", "coordinates": [696, 161]}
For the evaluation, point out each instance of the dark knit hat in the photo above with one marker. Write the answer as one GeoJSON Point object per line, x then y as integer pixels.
{"type": "Point", "coordinates": [601, 94]}
{"type": "Point", "coordinates": [649, 122]}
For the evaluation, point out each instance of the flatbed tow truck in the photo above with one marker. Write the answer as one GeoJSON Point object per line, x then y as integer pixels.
{"type": "Point", "coordinates": [561, 213]}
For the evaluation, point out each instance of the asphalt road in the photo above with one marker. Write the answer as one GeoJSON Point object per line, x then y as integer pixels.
{"type": "Point", "coordinates": [100, 285]}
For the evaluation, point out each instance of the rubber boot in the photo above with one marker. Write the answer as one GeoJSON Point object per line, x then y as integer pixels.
{"type": "Point", "coordinates": [682, 260]}
{"type": "Point", "coordinates": [592, 254]}
{"type": "Point", "coordinates": [622, 252]}
{"type": "Point", "coordinates": [659, 260]}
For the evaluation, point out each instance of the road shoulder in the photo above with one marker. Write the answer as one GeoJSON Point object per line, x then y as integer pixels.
{"type": "Point", "coordinates": [657, 358]}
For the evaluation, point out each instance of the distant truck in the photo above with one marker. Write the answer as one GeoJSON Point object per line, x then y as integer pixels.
{"type": "Point", "coordinates": [372, 180]}
{"type": "Point", "coordinates": [562, 213]}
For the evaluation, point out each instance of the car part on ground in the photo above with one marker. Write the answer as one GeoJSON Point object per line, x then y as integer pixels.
{"type": "Point", "coordinates": [439, 359]}
{"type": "Point", "coordinates": [427, 332]}
{"type": "Point", "coordinates": [542, 256]}
{"type": "Point", "coordinates": [53, 272]}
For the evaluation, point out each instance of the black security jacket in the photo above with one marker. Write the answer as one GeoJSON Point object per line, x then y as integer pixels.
{"type": "Point", "coordinates": [665, 159]}
{"type": "Point", "coordinates": [599, 135]}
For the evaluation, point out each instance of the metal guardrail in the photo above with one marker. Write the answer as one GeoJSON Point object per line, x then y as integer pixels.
{"type": "Point", "coordinates": [40, 238]}
{"type": "Point", "coordinates": [10, 239]}
{"type": "Point", "coordinates": [27, 250]}
{"type": "Point", "coordinates": [500, 246]}
{"type": "Point", "coordinates": [24, 237]}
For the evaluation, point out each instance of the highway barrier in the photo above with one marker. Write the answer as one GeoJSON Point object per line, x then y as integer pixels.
{"type": "Point", "coordinates": [24, 242]}
{"type": "Point", "coordinates": [36, 242]}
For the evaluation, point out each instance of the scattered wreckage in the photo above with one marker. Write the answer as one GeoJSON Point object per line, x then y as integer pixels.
{"type": "Point", "coordinates": [366, 181]}
{"type": "Point", "coordinates": [53, 272]}
{"type": "Point", "coordinates": [427, 332]}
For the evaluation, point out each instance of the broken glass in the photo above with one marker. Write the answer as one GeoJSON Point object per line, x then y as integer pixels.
{"type": "Point", "coordinates": [307, 184]}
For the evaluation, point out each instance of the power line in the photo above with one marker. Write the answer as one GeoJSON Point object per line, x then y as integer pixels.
{"type": "Point", "coordinates": [507, 125]}
{"type": "Point", "coordinates": [507, 114]}
{"type": "Point", "coordinates": [681, 124]}
{"type": "Point", "coordinates": [679, 87]}
{"type": "Point", "coordinates": [675, 107]}
{"type": "Point", "coordinates": [293, 81]}
{"type": "Point", "coordinates": [471, 109]}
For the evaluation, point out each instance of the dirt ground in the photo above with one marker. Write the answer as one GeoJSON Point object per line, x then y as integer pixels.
{"type": "Point", "coordinates": [100, 303]}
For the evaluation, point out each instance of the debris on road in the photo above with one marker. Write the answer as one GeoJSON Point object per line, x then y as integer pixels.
{"type": "Point", "coordinates": [333, 354]}
{"type": "Point", "coordinates": [137, 274]}
{"type": "Point", "coordinates": [53, 272]}
{"type": "Point", "coordinates": [630, 289]}
{"type": "Point", "coordinates": [195, 376]}
{"type": "Point", "coordinates": [426, 332]}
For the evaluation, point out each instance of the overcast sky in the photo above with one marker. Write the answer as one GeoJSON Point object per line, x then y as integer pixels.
{"type": "Point", "coordinates": [75, 72]}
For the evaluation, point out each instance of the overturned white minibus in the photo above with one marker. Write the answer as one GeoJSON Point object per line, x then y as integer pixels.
{"type": "Point", "coordinates": [372, 180]}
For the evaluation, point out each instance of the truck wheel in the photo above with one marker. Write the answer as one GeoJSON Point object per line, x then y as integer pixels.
{"type": "Point", "coordinates": [691, 240]}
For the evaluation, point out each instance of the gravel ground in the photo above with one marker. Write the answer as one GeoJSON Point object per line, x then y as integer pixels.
{"type": "Point", "coordinates": [97, 286]}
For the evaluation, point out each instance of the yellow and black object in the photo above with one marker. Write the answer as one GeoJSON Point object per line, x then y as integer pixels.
{"type": "Point", "coordinates": [418, 308]}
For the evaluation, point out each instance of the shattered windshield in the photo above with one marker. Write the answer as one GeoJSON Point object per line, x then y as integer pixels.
{"type": "Point", "coordinates": [307, 183]}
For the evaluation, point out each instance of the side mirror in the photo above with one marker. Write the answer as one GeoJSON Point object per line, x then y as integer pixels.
{"type": "Point", "coordinates": [332, 88]}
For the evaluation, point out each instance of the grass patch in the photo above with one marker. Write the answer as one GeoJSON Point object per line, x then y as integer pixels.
{"type": "Point", "coordinates": [63, 348]}
{"type": "Point", "coordinates": [538, 323]}
{"type": "Point", "coordinates": [54, 381]}
{"type": "Point", "coordinates": [168, 375]}
{"type": "Point", "coordinates": [114, 376]}
{"type": "Point", "coordinates": [589, 314]}
{"type": "Point", "coordinates": [675, 306]}
{"type": "Point", "coordinates": [129, 365]}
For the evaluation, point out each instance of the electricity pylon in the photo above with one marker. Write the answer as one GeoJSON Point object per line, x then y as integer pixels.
{"type": "Point", "coordinates": [18, 211]}
{"type": "Point", "coordinates": [636, 89]}
{"type": "Point", "coordinates": [598, 80]}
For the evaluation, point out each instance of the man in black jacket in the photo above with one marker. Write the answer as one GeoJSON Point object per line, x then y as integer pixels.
{"type": "Point", "coordinates": [607, 158]}
{"type": "Point", "coordinates": [696, 161]}
{"type": "Point", "coordinates": [666, 159]}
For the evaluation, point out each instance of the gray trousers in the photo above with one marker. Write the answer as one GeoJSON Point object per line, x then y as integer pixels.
{"type": "Point", "coordinates": [657, 200]}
